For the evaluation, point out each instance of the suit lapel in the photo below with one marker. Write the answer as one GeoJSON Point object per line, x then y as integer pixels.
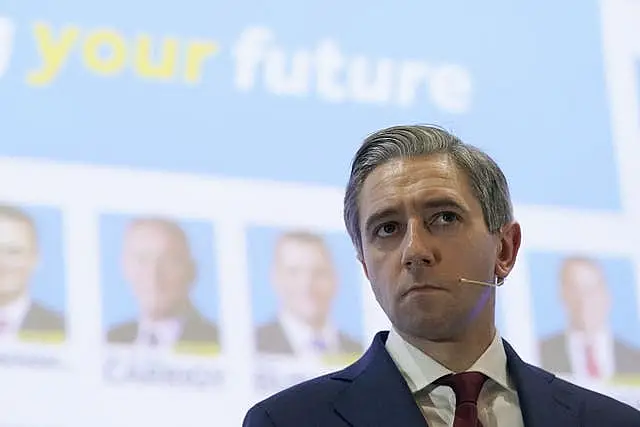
{"type": "Point", "coordinates": [377, 394]}
{"type": "Point", "coordinates": [542, 402]}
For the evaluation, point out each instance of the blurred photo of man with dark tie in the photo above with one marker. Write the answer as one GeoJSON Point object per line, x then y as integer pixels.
{"type": "Point", "coordinates": [21, 317]}
{"type": "Point", "coordinates": [305, 281]}
{"type": "Point", "coordinates": [587, 348]}
{"type": "Point", "coordinates": [158, 265]}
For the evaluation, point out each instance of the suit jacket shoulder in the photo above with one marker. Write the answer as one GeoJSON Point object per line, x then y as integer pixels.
{"type": "Point", "coordinates": [372, 391]}
{"type": "Point", "coordinates": [198, 329]}
{"type": "Point", "coordinates": [598, 409]}
{"type": "Point", "coordinates": [548, 400]}
{"type": "Point", "coordinates": [43, 319]}
{"type": "Point", "coordinates": [307, 403]}
{"type": "Point", "coordinates": [350, 396]}
{"type": "Point", "coordinates": [124, 333]}
{"type": "Point", "coordinates": [271, 339]}
{"type": "Point", "coordinates": [627, 358]}
{"type": "Point", "coordinates": [349, 345]}
{"type": "Point", "coordinates": [553, 354]}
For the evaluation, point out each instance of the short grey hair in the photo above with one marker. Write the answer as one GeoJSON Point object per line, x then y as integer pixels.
{"type": "Point", "coordinates": [487, 181]}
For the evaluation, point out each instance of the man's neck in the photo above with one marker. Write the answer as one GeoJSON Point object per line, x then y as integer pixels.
{"type": "Point", "coordinates": [178, 312]}
{"type": "Point", "coordinates": [316, 325]}
{"type": "Point", "coordinates": [458, 354]}
{"type": "Point", "coordinates": [589, 335]}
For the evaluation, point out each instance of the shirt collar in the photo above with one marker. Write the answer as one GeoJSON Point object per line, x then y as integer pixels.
{"type": "Point", "coordinates": [303, 334]}
{"type": "Point", "coordinates": [579, 338]}
{"type": "Point", "coordinates": [420, 370]}
{"type": "Point", "coordinates": [15, 312]}
{"type": "Point", "coordinates": [165, 330]}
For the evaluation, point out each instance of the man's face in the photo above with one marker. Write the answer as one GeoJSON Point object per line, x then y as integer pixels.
{"type": "Point", "coordinates": [158, 265]}
{"type": "Point", "coordinates": [304, 279]}
{"type": "Point", "coordinates": [586, 298]}
{"type": "Point", "coordinates": [422, 230]}
{"type": "Point", "coordinates": [18, 257]}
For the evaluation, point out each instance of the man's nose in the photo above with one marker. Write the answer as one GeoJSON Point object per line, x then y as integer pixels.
{"type": "Point", "coordinates": [153, 274]}
{"type": "Point", "coordinates": [417, 251]}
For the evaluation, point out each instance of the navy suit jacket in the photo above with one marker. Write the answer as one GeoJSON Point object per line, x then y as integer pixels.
{"type": "Point", "coordinates": [372, 392]}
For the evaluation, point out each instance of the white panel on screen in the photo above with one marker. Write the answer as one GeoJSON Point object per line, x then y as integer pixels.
{"type": "Point", "coordinates": [620, 23]}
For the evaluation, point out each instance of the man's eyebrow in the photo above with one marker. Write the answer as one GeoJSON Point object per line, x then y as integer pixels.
{"type": "Point", "coordinates": [377, 216]}
{"type": "Point", "coordinates": [436, 203]}
{"type": "Point", "coordinates": [444, 202]}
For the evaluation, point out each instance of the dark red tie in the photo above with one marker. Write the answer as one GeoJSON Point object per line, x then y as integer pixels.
{"type": "Point", "coordinates": [592, 362]}
{"type": "Point", "coordinates": [466, 386]}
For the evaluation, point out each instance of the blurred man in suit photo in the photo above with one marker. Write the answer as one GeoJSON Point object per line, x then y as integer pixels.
{"type": "Point", "coordinates": [305, 282]}
{"type": "Point", "coordinates": [588, 347]}
{"type": "Point", "coordinates": [158, 264]}
{"type": "Point", "coordinates": [21, 317]}
{"type": "Point", "coordinates": [432, 223]}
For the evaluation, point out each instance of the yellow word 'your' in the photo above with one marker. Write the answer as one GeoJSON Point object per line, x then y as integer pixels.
{"type": "Point", "coordinates": [106, 52]}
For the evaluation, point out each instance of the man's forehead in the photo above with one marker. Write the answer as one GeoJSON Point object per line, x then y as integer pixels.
{"type": "Point", "coordinates": [434, 173]}
{"type": "Point", "coordinates": [15, 229]}
{"type": "Point", "coordinates": [584, 271]}
{"type": "Point", "coordinates": [147, 229]}
{"type": "Point", "coordinates": [408, 169]}
{"type": "Point", "coordinates": [294, 249]}
{"type": "Point", "coordinates": [152, 235]}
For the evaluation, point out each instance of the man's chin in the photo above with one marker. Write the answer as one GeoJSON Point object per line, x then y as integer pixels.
{"type": "Point", "coordinates": [311, 319]}
{"type": "Point", "coordinates": [9, 293]}
{"type": "Point", "coordinates": [156, 314]}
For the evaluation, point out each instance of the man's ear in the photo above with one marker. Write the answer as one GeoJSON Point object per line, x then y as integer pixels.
{"type": "Point", "coordinates": [507, 249]}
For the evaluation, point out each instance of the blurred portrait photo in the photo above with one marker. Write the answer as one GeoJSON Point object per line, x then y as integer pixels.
{"type": "Point", "coordinates": [32, 280]}
{"type": "Point", "coordinates": [301, 293]}
{"type": "Point", "coordinates": [592, 337]}
{"type": "Point", "coordinates": [159, 284]}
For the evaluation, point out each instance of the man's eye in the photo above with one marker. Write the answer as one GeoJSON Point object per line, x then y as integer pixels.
{"type": "Point", "coordinates": [387, 229]}
{"type": "Point", "coordinates": [445, 218]}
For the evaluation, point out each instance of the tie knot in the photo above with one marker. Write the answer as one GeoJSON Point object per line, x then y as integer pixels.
{"type": "Point", "coordinates": [465, 385]}
{"type": "Point", "coordinates": [319, 344]}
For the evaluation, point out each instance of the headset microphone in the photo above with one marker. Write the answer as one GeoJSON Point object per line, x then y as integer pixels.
{"type": "Point", "coordinates": [497, 283]}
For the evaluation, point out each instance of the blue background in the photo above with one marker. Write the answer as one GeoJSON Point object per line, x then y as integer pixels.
{"type": "Point", "coordinates": [118, 301]}
{"type": "Point", "coordinates": [48, 283]}
{"type": "Point", "coordinates": [548, 309]}
{"type": "Point", "coordinates": [539, 106]}
{"type": "Point", "coordinates": [347, 307]}
{"type": "Point", "coordinates": [539, 99]}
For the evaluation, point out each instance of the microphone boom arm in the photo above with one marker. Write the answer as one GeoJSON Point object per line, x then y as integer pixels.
{"type": "Point", "coordinates": [498, 282]}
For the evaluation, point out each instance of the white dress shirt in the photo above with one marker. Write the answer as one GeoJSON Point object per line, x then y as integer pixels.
{"type": "Point", "coordinates": [498, 404]}
{"type": "Point", "coordinates": [165, 332]}
{"type": "Point", "coordinates": [304, 339]}
{"type": "Point", "coordinates": [12, 316]}
{"type": "Point", "coordinates": [603, 351]}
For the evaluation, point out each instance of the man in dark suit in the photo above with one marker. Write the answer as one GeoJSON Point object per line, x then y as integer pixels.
{"type": "Point", "coordinates": [157, 262]}
{"type": "Point", "coordinates": [432, 223]}
{"type": "Point", "coordinates": [305, 281]}
{"type": "Point", "coordinates": [588, 347]}
{"type": "Point", "coordinates": [22, 318]}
